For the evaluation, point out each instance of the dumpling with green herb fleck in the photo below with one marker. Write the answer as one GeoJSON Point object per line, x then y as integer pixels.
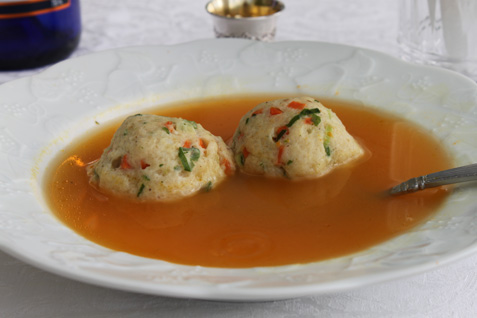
{"type": "Point", "coordinates": [161, 158]}
{"type": "Point", "coordinates": [293, 138]}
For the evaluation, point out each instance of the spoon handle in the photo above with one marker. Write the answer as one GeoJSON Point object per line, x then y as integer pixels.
{"type": "Point", "coordinates": [454, 175]}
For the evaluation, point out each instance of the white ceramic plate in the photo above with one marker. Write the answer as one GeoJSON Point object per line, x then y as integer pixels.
{"type": "Point", "coordinates": [39, 115]}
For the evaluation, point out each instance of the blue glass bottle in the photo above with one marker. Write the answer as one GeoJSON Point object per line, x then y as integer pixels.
{"type": "Point", "coordinates": [37, 32]}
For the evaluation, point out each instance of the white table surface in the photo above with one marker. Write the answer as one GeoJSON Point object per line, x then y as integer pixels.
{"type": "Point", "coordinates": [450, 291]}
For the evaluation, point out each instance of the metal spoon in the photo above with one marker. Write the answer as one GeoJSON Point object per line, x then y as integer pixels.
{"type": "Point", "coordinates": [455, 175]}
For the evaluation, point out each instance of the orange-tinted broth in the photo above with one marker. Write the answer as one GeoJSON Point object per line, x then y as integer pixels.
{"type": "Point", "coordinates": [254, 221]}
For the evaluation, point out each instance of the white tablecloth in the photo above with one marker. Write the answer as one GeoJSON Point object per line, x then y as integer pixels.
{"type": "Point", "coordinates": [25, 291]}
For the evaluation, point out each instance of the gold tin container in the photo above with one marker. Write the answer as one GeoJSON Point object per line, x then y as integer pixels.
{"type": "Point", "coordinates": [252, 19]}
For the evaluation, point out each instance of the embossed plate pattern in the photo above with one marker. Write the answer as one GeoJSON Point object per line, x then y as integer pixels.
{"type": "Point", "coordinates": [39, 115]}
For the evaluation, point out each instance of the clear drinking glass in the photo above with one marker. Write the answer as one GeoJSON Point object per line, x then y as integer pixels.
{"type": "Point", "coordinates": [441, 33]}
